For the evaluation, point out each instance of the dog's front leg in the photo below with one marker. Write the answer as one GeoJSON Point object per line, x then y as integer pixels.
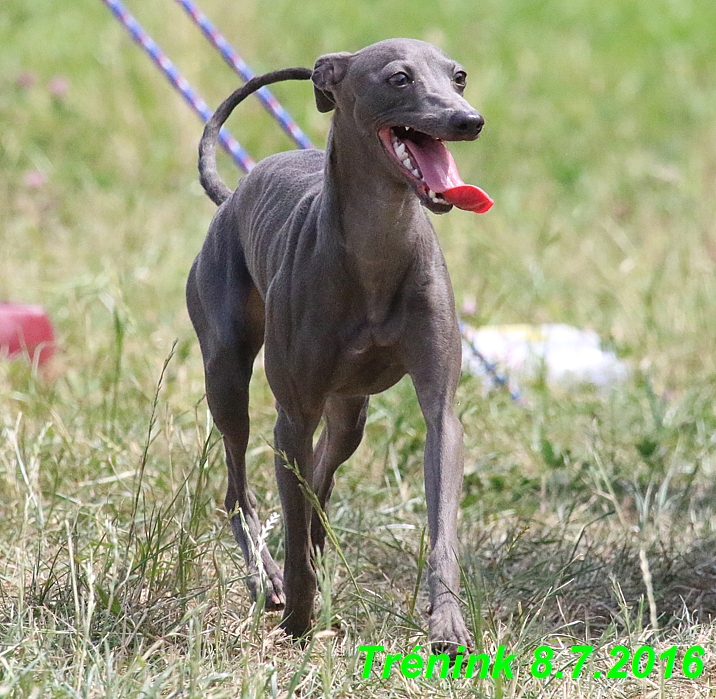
{"type": "Point", "coordinates": [294, 449]}
{"type": "Point", "coordinates": [443, 483]}
{"type": "Point", "coordinates": [435, 375]}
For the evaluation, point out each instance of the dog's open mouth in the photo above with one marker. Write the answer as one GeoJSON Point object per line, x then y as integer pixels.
{"type": "Point", "coordinates": [428, 164]}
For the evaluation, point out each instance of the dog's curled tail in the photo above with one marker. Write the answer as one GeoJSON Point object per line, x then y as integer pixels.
{"type": "Point", "coordinates": [208, 175]}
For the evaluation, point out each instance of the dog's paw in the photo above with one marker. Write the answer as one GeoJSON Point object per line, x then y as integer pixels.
{"type": "Point", "coordinates": [447, 631]}
{"type": "Point", "coordinates": [272, 588]}
{"type": "Point", "coordinates": [275, 597]}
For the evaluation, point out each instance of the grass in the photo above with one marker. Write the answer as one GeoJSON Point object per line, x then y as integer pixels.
{"type": "Point", "coordinates": [586, 515]}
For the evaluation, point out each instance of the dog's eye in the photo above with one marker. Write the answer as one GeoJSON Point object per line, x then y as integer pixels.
{"type": "Point", "coordinates": [460, 78]}
{"type": "Point", "coordinates": [400, 79]}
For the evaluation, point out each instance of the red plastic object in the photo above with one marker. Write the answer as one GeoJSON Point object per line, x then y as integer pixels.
{"type": "Point", "coordinates": [25, 328]}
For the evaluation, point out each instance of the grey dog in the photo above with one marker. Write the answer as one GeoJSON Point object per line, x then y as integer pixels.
{"type": "Point", "coordinates": [329, 259]}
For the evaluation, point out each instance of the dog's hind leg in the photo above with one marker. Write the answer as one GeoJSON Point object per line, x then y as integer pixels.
{"type": "Point", "coordinates": [294, 452]}
{"type": "Point", "coordinates": [343, 431]}
{"type": "Point", "coordinates": [230, 328]}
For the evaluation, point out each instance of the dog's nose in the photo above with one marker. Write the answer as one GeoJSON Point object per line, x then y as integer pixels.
{"type": "Point", "coordinates": [467, 124]}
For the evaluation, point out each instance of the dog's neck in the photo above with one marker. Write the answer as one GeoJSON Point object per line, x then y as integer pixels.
{"type": "Point", "coordinates": [378, 217]}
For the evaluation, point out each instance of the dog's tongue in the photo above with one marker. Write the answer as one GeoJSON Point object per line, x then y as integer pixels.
{"type": "Point", "coordinates": [440, 172]}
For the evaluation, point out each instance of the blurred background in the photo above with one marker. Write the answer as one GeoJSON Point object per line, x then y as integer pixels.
{"type": "Point", "coordinates": [600, 151]}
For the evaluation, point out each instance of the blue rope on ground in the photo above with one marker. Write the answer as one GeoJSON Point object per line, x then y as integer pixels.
{"type": "Point", "coordinates": [272, 105]}
{"type": "Point", "coordinates": [161, 60]}
{"type": "Point", "coordinates": [490, 368]}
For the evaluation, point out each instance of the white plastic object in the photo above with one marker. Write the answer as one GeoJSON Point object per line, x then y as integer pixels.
{"type": "Point", "coordinates": [566, 355]}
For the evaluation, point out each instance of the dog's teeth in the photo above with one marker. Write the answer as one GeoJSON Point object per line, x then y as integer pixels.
{"type": "Point", "coordinates": [403, 155]}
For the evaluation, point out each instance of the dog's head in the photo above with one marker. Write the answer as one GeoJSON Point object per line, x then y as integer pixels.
{"type": "Point", "coordinates": [407, 96]}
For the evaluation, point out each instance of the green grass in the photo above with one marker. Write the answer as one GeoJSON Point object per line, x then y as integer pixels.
{"type": "Point", "coordinates": [118, 573]}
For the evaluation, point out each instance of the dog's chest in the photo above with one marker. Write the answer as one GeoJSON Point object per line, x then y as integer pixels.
{"type": "Point", "coordinates": [368, 363]}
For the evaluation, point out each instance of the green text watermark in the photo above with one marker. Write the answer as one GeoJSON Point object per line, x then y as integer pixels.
{"type": "Point", "coordinates": [619, 662]}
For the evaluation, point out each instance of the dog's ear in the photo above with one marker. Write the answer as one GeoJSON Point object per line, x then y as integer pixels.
{"type": "Point", "coordinates": [327, 74]}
